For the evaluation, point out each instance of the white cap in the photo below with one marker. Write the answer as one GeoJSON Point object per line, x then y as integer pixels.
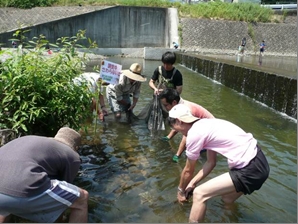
{"type": "Point", "coordinates": [182, 112]}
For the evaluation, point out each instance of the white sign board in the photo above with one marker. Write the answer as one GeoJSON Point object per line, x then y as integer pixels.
{"type": "Point", "coordinates": [110, 72]}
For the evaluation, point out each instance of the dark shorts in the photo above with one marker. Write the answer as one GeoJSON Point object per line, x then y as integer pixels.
{"type": "Point", "coordinates": [262, 50]}
{"type": "Point", "coordinates": [251, 177]}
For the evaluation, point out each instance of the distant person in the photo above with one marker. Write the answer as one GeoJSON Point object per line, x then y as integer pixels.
{"type": "Point", "coordinates": [262, 47]}
{"type": "Point", "coordinates": [14, 44]}
{"type": "Point", "coordinates": [48, 49]}
{"type": "Point", "coordinates": [242, 45]}
{"type": "Point", "coordinates": [95, 85]}
{"type": "Point", "coordinates": [169, 98]}
{"type": "Point", "coordinates": [175, 45]}
{"type": "Point", "coordinates": [166, 76]}
{"type": "Point", "coordinates": [118, 95]}
{"type": "Point", "coordinates": [248, 166]}
{"type": "Point", "coordinates": [36, 178]}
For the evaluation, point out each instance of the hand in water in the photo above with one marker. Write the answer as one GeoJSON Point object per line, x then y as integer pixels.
{"type": "Point", "coordinates": [165, 138]}
{"type": "Point", "coordinates": [189, 192]}
{"type": "Point", "coordinates": [175, 158]}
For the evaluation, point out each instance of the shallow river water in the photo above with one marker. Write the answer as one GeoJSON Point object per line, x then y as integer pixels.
{"type": "Point", "coordinates": [131, 178]}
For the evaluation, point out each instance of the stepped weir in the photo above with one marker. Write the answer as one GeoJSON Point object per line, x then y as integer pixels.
{"type": "Point", "coordinates": [274, 90]}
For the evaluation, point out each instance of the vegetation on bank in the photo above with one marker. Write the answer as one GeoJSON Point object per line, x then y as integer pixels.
{"type": "Point", "coordinates": [37, 92]}
{"type": "Point", "coordinates": [248, 12]}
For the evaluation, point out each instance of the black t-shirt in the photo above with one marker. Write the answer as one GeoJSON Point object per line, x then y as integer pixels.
{"type": "Point", "coordinates": [175, 79]}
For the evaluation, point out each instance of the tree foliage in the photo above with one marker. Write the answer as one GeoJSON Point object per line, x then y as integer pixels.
{"type": "Point", "coordinates": [27, 4]}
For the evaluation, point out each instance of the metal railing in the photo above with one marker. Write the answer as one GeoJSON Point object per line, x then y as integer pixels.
{"type": "Point", "coordinates": [282, 6]}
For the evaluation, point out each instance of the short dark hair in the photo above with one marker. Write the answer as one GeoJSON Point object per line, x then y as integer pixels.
{"type": "Point", "coordinates": [171, 121]}
{"type": "Point", "coordinates": [168, 58]}
{"type": "Point", "coordinates": [170, 95]}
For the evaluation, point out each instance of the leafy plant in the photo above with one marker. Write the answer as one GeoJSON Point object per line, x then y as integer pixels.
{"type": "Point", "coordinates": [27, 4]}
{"type": "Point", "coordinates": [37, 93]}
{"type": "Point", "coordinates": [180, 34]}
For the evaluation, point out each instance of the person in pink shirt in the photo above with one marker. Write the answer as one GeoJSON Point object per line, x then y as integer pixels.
{"type": "Point", "coordinates": [248, 167]}
{"type": "Point", "coordinates": [171, 97]}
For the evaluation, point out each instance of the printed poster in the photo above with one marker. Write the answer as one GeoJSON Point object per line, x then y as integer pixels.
{"type": "Point", "coordinates": [110, 72]}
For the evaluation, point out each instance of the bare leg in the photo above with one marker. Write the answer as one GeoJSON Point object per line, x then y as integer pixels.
{"type": "Point", "coordinates": [79, 209]}
{"type": "Point", "coordinates": [221, 185]}
{"type": "Point", "coordinates": [231, 197]}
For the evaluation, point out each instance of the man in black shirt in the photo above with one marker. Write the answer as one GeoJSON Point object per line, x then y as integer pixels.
{"type": "Point", "coordinates": [166, 76]}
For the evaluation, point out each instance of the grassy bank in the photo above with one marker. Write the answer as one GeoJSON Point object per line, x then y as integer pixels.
{"type": "Point", "coordinates": [247, 12]}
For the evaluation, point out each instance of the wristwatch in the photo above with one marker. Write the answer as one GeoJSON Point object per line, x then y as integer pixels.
{"type": "Point", "coordinates": [180, 190]}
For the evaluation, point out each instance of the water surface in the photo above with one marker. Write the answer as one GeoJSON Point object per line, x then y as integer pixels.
{"type": "Point", "coordinates": [130, 175]}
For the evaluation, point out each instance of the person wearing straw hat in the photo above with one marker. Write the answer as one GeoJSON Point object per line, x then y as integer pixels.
{"type": "Point", "coordinates": [118, 95]}
{"type": "Point", "coordinates": [36, 176]}
{"type": "Point", "coordinates": [248, 166]}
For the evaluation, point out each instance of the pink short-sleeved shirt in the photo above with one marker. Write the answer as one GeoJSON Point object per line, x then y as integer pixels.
{"type": "Point", "coordinates": [196, 110]}
{"type": "Point", "coordinates": [222, 137]}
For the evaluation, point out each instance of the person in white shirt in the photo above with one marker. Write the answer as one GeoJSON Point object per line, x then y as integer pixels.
{"type": "Point", "coordinates": [94, 79]}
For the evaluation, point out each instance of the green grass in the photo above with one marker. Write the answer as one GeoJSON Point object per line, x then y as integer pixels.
{"type": "Point", "coordinates": [248, 12]}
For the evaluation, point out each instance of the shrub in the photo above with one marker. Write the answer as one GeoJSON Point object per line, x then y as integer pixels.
{"type": "Point", "coordinates": [27, 4]}
{"type": "Point", "coordinates": [37, 93]}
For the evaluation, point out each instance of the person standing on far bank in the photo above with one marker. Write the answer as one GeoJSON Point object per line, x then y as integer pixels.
{"type": "Point", "coordinates": [175, 45]}
{"type": "Point", "coordinates": [242, 46]}
{"type": "Point", "coordinates": [248, 166]}
{"type": "Point", "coordinates": [262, 47]}
{"type": "Point", "coordinates": [36, 176]}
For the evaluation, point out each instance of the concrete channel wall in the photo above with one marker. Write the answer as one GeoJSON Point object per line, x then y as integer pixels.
{"type": "Point", "coordinates": [115, 27]}
{"type": "Point", "coordinates": [275, 91]}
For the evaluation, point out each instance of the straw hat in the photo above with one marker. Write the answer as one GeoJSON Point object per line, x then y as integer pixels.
{"type": "Point", "coordinates": [69, 137]}
{"type": "Point", "coordinates": [134, 73]}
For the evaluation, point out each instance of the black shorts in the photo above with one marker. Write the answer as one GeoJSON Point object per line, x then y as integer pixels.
{"type": "Point", "coordinates": [251, 178]}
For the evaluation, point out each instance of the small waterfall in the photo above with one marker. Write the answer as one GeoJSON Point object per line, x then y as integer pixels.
{"type": "Point", "coordinates": [275, 91]}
